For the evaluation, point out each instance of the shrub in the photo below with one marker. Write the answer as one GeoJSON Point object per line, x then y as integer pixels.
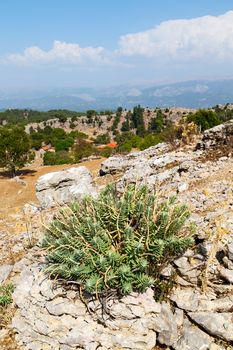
{"type": "Point", "coordinates": [5, 301]}
{"type": "Point", "coordinates": [83, 149]}
{"type": "Point", "coordinates": [57, 158]}
{"type": "Point", "coordinates": [116, 244]}
{"type": "Point", "coordinates": [125, 147]}
{"type": "Point", "coordinates": [14, 148]}
{"type": "Point", "coordinates": [150, 140]}
{"type": "Point", "coordinates": [63, 144]}
{"type": "Point", "coordinates": [107, 152]}
{"type": "Point", "coordinates": [103, 138]}
{"type": "Point", "coordinates": [72, 125]}
{"type": "Point", "coordinates": [126, 141]}
{"type": "Point", "coordinates": [5, 294]}
{"type": "Point", "coordinates": [205, 119]}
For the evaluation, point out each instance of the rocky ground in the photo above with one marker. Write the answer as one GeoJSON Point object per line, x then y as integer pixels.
{"type": "Point", "coordinates": [19, 221]}
{"type": "Point", "coordinates": [197, 314]}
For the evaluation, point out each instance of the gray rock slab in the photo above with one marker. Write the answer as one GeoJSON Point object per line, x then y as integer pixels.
{"type": "Point", "coordinates": [5, 271]}
{"type": "Point", "coordinates": [226, 274]}
{"type": "Point", "coordinates": [190, 299]}
{"type": "Point", "coordinates": [58, 188]}
{"type": "Point", "coordinates": [217, 324]}
{"type": "Point", "coordinates": [125, 340]}
{"type": "Point", "coordinates": [192, 338]}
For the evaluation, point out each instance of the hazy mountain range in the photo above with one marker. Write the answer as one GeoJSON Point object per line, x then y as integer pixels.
{"type": "Point", "coordinates": [191, 94]}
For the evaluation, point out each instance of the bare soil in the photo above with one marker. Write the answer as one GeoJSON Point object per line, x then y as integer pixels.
{"type": "Point", "coordinates": [14, 195]}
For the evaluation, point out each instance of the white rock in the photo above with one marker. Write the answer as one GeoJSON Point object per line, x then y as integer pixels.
{"type": "Point", "coordinates": [62, 187]}
{"type": "Point", "coordinates": [5, 271]}
{"type": "Point", "coordinates": [216, 324]}
{"type": "Point", "coordinates": [183, 187]}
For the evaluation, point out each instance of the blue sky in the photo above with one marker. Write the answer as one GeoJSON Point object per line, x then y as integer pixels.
{"type": "Point", "coordinates": [78, 43]}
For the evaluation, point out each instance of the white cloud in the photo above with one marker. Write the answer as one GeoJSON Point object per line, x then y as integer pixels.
{"type": "Point", "coordinates": [202, 37]}
{"type": "Point", "coordinates": [60, 52]}
{"type": "Point", "coordinates": [207, 39]}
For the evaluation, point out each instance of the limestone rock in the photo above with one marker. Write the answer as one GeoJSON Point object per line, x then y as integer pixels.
{"type": "Point", "coordinates": [226, 274]}
{"type": "Point", "coordinates": [230, 250]}
{"type": "Point", "coordinates": [191, 299]}
{"type": "Point", "coordinates": [118, 164]}
{"type": "Point", "coordinates": [165, 324]}
{"type": "Point", "coordinates": [220, 134]}
{"type": "Point", "coordinates": [216, 324]}
{"type": "Point", "coordinates": [5, 271]}
{"type": "Point", "coordinates": [135, 341]}
{"type": "Point", "coordinates": [192, 338]}
{"type": "Point", "coordinates": [64, 186]}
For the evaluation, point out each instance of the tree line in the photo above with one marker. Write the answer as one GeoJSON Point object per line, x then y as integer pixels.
{"type": "Point", "coordinates": [16, 147]}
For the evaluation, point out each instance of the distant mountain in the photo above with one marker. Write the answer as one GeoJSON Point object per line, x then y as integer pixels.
{"type": "Point", "coordinates": [191, 94]}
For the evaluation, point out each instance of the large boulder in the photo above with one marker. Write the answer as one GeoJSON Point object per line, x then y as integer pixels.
{"type": "Point", "coordinates": [118, 164]}
{"type": "Point", "coordinates": [62, 187]}
{"type": "Point", "coordinates": [219, 135]}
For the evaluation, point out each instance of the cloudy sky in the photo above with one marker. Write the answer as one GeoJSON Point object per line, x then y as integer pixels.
{"type": "Point", "coordinates": [101, 43]}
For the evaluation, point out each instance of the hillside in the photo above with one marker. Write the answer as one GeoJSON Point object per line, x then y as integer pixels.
{"type": "Point", "coordinates": [102, 123]}
{"type": "Point", "coordinates": [189, 94]}
{"type": "Point", "coordinates": [197, 312]}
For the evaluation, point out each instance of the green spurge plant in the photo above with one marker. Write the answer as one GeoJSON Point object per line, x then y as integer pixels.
{"type": "Point", "coordinates": [116, 243]}
{"type": "Point", "coordinates": [5, 294]}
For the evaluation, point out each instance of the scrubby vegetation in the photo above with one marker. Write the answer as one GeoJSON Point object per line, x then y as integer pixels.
{"type": "Point", "coordinates": [5, 295]}
{"type": "Point", "coordinates": [14, 148]}
{"type": "Point", "coordinates": [138, 128]}
{"type": "Point", "coordinates": [5, 300]}
{"type": "Point", "coordinates": [25, 116]}
{"type": "Point", "coordinates": [56, 137]}
{"type": "Point", "coordinates": [204, 119]}
{"type": "Point", "coordinates": [118, 244]}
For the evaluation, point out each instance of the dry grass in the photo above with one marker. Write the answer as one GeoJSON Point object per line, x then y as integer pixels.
{"type": "Point", "coordinates": [220, 232]}
{"type": "Point", "coordinates": [8, 342]}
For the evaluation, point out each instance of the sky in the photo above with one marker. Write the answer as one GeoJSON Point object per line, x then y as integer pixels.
{"type": "Point", "coordinates": [103, 43]}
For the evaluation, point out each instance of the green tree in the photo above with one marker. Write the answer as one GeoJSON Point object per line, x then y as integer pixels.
{"type": "Point", "coordinates": [125, 125]}
{"type": "Point", "coordinates": [103, 138]}
{"type": "Point", "coordinates": [57, 158]}
{"type": "Point", "coordinates": [14, 148]}
{"type": "Point", "coordinates": [119, 110]}
{"type": "Point", "coordinates": [150, 140]}
{"type": "Point", "coordinates": [83, 149]}
{"type": "Point", "coordinates": [138, 121]}
{"type": "Point", "coordinates": [63, 144]}
{"type": "Point", "coordinates": [90, 115]}
{"type": "Point", "coordinates": [204, 118]}
{"type": "Point", "coordinates": [157, 124]}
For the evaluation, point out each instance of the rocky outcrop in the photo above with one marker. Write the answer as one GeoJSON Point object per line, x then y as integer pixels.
{"type": "Point", "coordinates": [219, 135]}
{"type": "Point", "coordinates": [62, 187]}
{"type": "Point", "coordinates": [197, 313]}
{"type": "Point", "coordinates": [119, 164]}
{"type": "Point", "coordinates": [51, 317]}
{"type": "Point", "coordinates": [218, 324]}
